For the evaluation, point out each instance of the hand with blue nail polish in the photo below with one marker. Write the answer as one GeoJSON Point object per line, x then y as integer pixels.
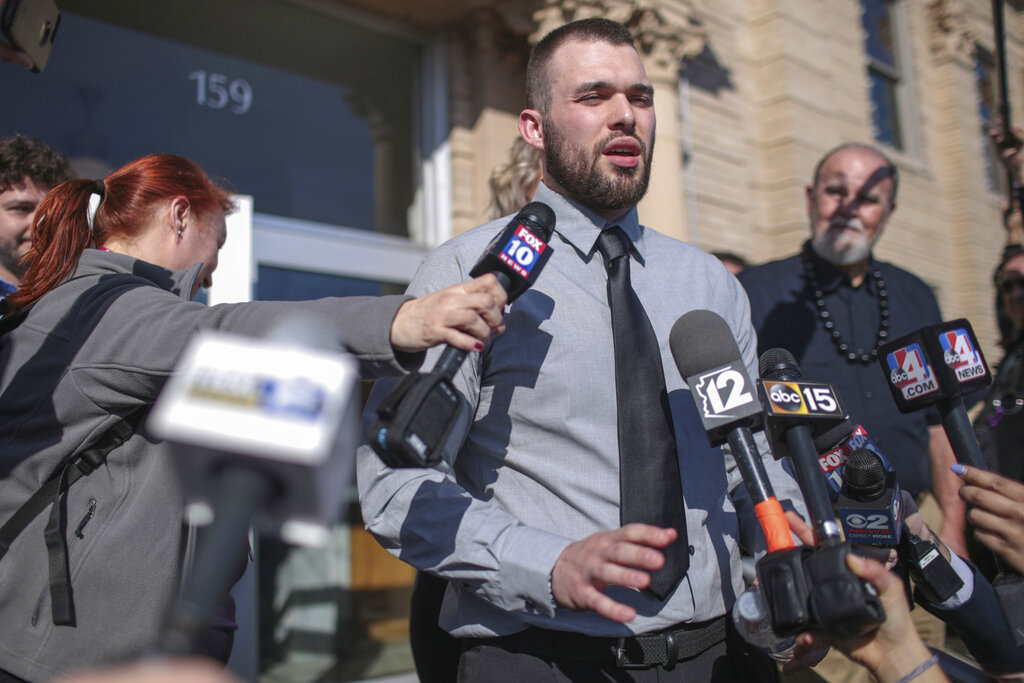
{"type": "Point", "coordinates": [996, 511]}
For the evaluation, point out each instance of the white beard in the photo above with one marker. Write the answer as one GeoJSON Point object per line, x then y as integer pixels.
{"type": "Point", "coordinates": [844, 244]}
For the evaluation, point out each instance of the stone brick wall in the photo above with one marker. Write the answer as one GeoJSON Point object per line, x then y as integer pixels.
{"type": "Point", "coordinates": [776, 83]}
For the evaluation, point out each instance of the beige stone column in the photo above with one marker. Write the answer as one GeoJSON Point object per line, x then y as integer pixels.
{"type": "Point", "coordinates": [958, 165]}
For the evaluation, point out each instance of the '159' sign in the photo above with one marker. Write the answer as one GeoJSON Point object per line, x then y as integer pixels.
{"type": "Point", "coordinates": [217, 91]}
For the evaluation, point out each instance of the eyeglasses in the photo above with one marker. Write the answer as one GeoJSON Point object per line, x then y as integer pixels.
{"type": "Point", "coordinates": [1008, 285]}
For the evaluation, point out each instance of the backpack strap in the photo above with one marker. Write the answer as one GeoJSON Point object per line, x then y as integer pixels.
{"type": "Point", "coordinates": [54, 493]}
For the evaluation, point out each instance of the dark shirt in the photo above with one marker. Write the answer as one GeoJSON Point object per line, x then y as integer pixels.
{"type": "Point", "coordinates": [1000, 424]}
{"type": "Point", "coordinates": [784, 315]}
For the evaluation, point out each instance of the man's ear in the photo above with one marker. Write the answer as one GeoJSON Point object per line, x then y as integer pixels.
{"type": "Point", "coordinates": [531, 127]}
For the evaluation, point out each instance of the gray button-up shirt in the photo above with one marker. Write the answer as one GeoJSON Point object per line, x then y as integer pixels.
{"type": "Point", "coordinates": [533, 461]}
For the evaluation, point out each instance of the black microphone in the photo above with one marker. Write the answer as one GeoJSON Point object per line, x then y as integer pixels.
{"type": "Point", "coordinates": [938, 365]}
{"type": "Point", "coordinates": [869, 504]}
{"type": "Point", "coordinates": [870, 510]}
{"type": "Point", "coordinates": [795, 412]}
{"type": "Point", "coordinates": [710, 361]}
{"type": "Point", "coordinates": [416, 417]}
{"type": "Point", "coordinates": [515, 256]}
{"type": "Point", "coordinates": [918, 379]}
{"type": "Point", "coordinates": [264, 428]}
{"type": "Point", "coordinates": [836, 444]}
{"type": "Point", "coordinates": [836, 599]}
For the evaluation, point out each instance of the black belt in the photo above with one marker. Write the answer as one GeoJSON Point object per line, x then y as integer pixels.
{"type": "Point", "coordinates": [665, 647]}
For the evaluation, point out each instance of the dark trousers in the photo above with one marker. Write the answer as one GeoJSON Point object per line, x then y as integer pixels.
{"type": "Point", "coordinates": [435, 653]}
{"type": "Point", "coordinates": [730, 661]}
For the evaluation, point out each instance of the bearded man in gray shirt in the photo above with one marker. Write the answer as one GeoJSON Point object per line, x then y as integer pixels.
{"type": "Point", "coordinates": [523, 514]}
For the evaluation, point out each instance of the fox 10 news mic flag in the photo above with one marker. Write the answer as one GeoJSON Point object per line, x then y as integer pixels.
{"type": "Point", "coordinates": [710, 361]}
{"type": "Point", "coordinates": [834, 447]}
{"type": "Point", "coordinates": [263, 428]}
{"type": "Point", "coordinates": [415, 418]}
{"type": "Point", "coordinates": [938, 365]}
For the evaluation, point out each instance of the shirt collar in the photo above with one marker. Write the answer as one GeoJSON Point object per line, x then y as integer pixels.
{"type": "Point", "coordinates": [178, 282]}
{"type": "Point", "coordinates": [579, 226]}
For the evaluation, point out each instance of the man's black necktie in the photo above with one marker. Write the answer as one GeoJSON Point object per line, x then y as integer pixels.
{"type": "Point", "coordinates": [649, 485]}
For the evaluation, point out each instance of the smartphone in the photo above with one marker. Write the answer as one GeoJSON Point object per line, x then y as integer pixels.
{"type": "Point", "coordinates": [31, 26]}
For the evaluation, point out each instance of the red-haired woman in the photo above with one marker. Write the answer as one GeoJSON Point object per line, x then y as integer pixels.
{"type": "Point", "coordinates": [103, 315]}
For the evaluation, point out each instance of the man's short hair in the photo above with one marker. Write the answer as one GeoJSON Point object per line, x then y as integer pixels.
{"type": "Point", "coordinates": [593, 30]}
{"type": "Point", "coordinates": [22, 157]}
{"type": "Point", "coordinates": [894, 172]}
{"type": "Point", "coordinates": [730, 257]}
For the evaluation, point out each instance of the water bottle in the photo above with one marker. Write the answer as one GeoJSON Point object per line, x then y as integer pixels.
{"type": "Point", "coordinates": [754, 623]}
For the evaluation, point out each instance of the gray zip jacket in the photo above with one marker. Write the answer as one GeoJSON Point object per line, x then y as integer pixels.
{"type": "Point", "coordinates": [89, 352]}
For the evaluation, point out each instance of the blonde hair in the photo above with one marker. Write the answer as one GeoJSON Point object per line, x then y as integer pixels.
{"type": "Point", "coordinates": [513, 182]}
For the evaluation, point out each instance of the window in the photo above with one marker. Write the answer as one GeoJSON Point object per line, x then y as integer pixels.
{"type": "Point", "coordinates": [333, 127]}
{"type": "Point", "coordinates": [988, 108]}
{"type": "Point", "coordinates": [315, 121]}
{"type": "Point", "coordinates": [885, 76]}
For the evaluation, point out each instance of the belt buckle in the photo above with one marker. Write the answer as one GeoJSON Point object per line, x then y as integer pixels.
{"type": "Point", "coordinates": [621, 661]}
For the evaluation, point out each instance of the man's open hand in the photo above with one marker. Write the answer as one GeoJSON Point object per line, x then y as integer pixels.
{"type": "Point", "coordinates": [622, 557]}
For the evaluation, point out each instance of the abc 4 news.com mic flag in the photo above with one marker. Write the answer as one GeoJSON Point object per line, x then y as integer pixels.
{"type": "Point", "coordinates": [415, 418]}
{"type": "Point", "coordinates": [938, 365]}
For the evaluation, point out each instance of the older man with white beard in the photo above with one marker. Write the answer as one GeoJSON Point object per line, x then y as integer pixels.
{"type": "Point", "coordinates": [833, 304]}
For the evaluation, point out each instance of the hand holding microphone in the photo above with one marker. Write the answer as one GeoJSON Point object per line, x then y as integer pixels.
{"type": "Point", "coordinates": [892, 650]}
{"type": "Point", "coordinates": [463, 316]}
{"type": "Point", "coordinates": [416, 417]}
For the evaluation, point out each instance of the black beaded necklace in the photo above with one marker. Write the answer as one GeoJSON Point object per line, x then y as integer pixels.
{"type": "Point", "coordinates": [858, 356]}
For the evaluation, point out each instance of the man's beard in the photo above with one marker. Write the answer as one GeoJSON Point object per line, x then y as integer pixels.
{"type": "Point", "coordinates": [841, 246]}
{"type": "Point", "coordinates": [586, 183]}
{"type": "Point", "coordinates": [9, 260]}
